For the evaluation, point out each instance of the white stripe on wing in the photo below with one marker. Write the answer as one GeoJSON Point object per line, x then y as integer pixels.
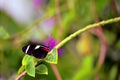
{"type": "Point", "coordinates": [37, 46]}
{"type": "Point", "coordinates": [27, 48]}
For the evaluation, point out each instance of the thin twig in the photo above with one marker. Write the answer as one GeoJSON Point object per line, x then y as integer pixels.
{"type": "Point", "coordinates": [56, 72]}
{"type": "Point", "coordinates": [87, 28]}
{"type": "Point", "coordinates": [99, 33]}
{"type": "Point", "coordinates": [24, 72]}
{"type": "Point", "coordinates": [21, 75]}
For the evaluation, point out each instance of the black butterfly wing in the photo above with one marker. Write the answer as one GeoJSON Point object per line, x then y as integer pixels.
{"type": "Point", "coordinates": [28, 49]}
{"type": "Point", "coordinates": [40, 52]}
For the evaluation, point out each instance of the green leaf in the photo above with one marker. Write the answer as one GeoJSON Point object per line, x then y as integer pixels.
{"type": "Point", "coordinates": [113, 72]}
{"type": "Point", "coordinates": [42, 69]}
{"type": "Point", "coordinates": [21, 69]}
{"type": "Point", "coordinates": [30, 68]}
{"type": "Point", "coordinates": [26, 59]}
{"type": "Point", "coordinates": [28, 62]}
{"type": "Point", "coordinates": [85, 71]}
{"type": "Point", "coordinates": [52, 57]}
{"type": "Point", "coordinates": [3, 33]}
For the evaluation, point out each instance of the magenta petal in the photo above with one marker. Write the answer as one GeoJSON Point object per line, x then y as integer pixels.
{"type": "Point", "coordinates": [51, 42]}
{"type": "Point", "coordinates": [37, 3]}
{"type": "Point", "coordinates": [60, 52]}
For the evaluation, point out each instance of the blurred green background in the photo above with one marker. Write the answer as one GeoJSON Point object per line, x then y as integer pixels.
{"type": "Point", "coordinates": [92, 55]}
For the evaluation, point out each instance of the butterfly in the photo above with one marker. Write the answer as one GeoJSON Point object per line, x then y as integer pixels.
{"type": "Point", "coordinates": [37, 50]}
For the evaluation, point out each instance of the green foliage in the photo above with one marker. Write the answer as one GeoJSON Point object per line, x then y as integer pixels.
{"type": "Point", "coordinates": [113, 72]}
{"type": "Point", "coordinates": [101, 7]}
{"type": "Point", "coordinates": [85, 71]}
{"type": "Point", "coordinates": [21, 69]}
{"type": "Point", "coordinates": [3, 33]}
{"type": "Point", "coordinates": [30, 68]}
{"type": "Point", "coordinates": [83, 12]}
{"type": "Point", "coordinates": [9, 23]}
{"type": "Point", "coordinates": [74, 15]}
{"type": "Point", "coordinates": [52, 56]}
{"type": "Point", "coordinates": [26, 59]}
{"type": "Point", "coordinates": [42, 69]}
{"type": "Point", "coordinates": [29, 65]}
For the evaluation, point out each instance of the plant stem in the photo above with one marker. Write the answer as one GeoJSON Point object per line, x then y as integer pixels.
{"type": "Point", "coordinates": [21, 75]}
{"type": "Point", "coordinates": [56, 72]}
{"type": "Point", "coordinates": [99, 33]}
{"type": "Point", "coordinates": [87, 28]}
{"type": "Point", "coordinates": [24, 72]}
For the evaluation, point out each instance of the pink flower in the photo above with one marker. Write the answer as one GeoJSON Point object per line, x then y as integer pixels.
{"type": "Point", "coordinates": [37, 3]}
{"type": "Point", "coordinates": [51, 42]}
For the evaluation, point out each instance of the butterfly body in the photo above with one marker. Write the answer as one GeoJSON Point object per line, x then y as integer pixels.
{"type": "Point", "coordinates": [36, 50]}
